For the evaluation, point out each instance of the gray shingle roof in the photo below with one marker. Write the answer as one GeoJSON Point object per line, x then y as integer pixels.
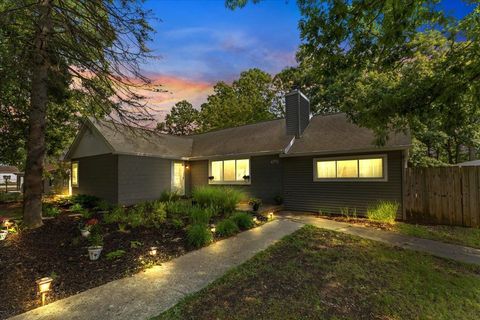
{"type": "Point", "coordinates": [336, 134]}
{"type": "Point", "coordinates": [324, 134]}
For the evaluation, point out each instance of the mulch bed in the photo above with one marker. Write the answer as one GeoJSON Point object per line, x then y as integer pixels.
{"type": "Point", "coordinates": [57, 250]}
{"type": "Point", "coordinates": [360, 221]}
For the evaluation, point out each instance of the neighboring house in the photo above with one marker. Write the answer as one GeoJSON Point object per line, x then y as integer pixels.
{"type": "Point", "coordinates": [472, 163]}
{"type": "Point", "coordinates": [8, 171]}
{"type": "Point", "coordinates": [312, 162]}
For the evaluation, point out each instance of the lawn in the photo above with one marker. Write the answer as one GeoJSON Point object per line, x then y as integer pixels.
{"type": "Point", "coordinates": [319, 274]}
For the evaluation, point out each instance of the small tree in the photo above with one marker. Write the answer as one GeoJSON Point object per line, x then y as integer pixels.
{"type": "Point", "coordinates": [182, 119]}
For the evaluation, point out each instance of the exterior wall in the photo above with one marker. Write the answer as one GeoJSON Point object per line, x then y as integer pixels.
{"type": "Point", "coordinates": [90, 144]}
{"type": "Point", "coordinates": [97, 176]}
{"type": "Point", "coordinates": [301, 193]}
{"type": "Point", "coordinates": [142, 178]}
{"type": "Point", "coordinates": [265, 173]}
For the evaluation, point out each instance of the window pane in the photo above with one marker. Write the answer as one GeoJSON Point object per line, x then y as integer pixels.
{"type": "Point", "coordinates": [229, 170]}
{"type": "Point", "coordinates": [326, 169]}
{"type": "Point", "coordinates": [217, 170]}
{"type": "Point", "coordinates": [347, 169]}
{"type": "Point", "coordinates": [243, 169]}
{"type": "Point", "coordinates": [75, 174]}
{"type": "Point", "coordinates": [371, 168]}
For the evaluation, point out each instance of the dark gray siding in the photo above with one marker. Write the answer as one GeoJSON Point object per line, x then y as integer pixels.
{"type": "Point", "coordinates": [301, 193]}
{"type": "Point", "coordinates": [142, 178]}
{"type": "Point", "coordinates": [97, 176]}
{"type": "Point", "coordinates": [297, 113]}
{"type": "Point", "coordinates": [265, 172]}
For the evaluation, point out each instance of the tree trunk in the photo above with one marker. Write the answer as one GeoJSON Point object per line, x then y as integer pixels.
{"type": "Point", "coordinates": [32, 201]}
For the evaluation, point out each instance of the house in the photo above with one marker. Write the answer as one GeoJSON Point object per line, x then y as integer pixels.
{"type": "Point", "coordinates": [10, 171]}
{"type": "Point", "coordinates": [312, 162]}
{"type": "Point", "coordinates": [472, 163]}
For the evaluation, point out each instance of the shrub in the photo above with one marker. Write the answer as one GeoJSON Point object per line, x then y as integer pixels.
{"type": "Point", "coordinates": [86, 201]}
{"type": "Point", "coordinates": [176, 209]}
{"type": "Point", "coordinates": [77, 207]}
{"type": "Point", "coordinates": [157, 214]}
{"type": "Point", "coordinates": [96, 239]}
{"type": "Point", "coordinates": [200, 215]}
{"type": "Point", "coordinates": [255, 203]}
{"type": "Point", "coordinates": [348, 213]}
{"type": "Point", "coordinates": [10, 197]}
{"type": "Point", "coordinates": [226, 228]}
{"type": "Point", "coordinates": [383, 211]}
{"type": "Point", "coordinates": [243, 220]}
{"type": "Point", "coordinates": [146, 214]}
{"type": "Point", "coordinates": [198, 235]}
{"type": "Point", "coordinates": [166, 196]}
{"type": "Point", "coordinates": [50, 211]}
{"type": "Point", "coordinates": [177, 223]}
{"type": "Point", "coordinates": [115, 254]}
{"type": "Point", "coordinates": [104, 205]}
{"type": "Point", "coordinates": [223, 198]}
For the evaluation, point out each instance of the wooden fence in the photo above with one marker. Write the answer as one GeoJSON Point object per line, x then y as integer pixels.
{"type": "Point", "coordinates": [449, 195]}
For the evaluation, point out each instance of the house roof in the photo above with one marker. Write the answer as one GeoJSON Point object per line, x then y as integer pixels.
{"type": "Point", "coordinates": [266, 137]}
{"type": "Point", "coordinates": [8, 169]}
{"type": "Point", "coordinates": [324, 134]}
{"type": "Point", "coordinates": [472, 163]}
{"type": "Point", "coordinates": [336, 134]}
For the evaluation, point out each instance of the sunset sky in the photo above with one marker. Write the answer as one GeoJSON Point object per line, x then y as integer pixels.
{"type": "Point", "coordinates": [201, 42]}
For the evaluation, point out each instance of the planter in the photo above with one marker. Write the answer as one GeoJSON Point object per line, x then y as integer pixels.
{"type": "Point", "coordinates": [94, 252]}
{"type": "Point", "coordinates": [255, 207]}
{"type": "Point", "coordinates": [85, 233]}
{"type": "Point", "coordinates": [3, 234]}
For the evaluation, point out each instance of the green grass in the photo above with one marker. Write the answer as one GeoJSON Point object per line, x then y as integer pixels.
{"type": "Point", "coordinates": [457, 235]}
{"type": "Point", "coordinates": [319, 274]}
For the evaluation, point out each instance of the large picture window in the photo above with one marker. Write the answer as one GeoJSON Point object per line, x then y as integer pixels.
{"type": "Point", "coordinates": [74, 174]}
{"type": "Point", "coordinates": [234, 171]}
{"type": "Point", "coordinates": [351, 168]}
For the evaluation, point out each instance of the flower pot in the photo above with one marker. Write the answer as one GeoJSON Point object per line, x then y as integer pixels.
{"type": "Point", "coordinates": [94, 252]}
{"type": "Point", "coordinates": [85, 233]}
{"type": "Point", "coordinates": [3, 234]}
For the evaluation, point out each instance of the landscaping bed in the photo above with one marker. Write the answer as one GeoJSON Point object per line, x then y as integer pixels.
{"type": "Point", "coordinates": [133, 239]}
{"type": "Point", "coordinates": [320, 274]}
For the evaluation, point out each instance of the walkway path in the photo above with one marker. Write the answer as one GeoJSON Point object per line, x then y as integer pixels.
{"type": "Point", "coordinates": [149, 293]}
{"type": "Point", "coordinates": [436, 248]}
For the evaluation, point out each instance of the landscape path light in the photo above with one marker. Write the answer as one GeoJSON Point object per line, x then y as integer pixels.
{"type": "Point", "coordinates": [44, 285]}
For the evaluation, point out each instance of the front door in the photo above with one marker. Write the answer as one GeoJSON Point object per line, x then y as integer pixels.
{"type": "Point", "coordinates": [178, 179]}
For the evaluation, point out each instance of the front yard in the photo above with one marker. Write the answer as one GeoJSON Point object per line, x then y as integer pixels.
{"type": "Point", "coordinates": [319, 274]}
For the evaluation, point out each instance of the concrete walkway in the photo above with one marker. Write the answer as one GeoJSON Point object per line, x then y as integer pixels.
{"type": "Point", "coordinates": [149, 293]}
{"type": "Point", "coordinates": [436, 248]}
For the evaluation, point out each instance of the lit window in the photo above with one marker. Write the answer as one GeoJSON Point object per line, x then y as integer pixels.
{"type": "Point", "coordinates": [230, 171]}
{"type": "Point", "coordinates": [371, 168]}
{"type": "Point", "coordinates": [347, 169]}
{"type": "Point", "coordinates": [217, 170]}
{"type": "Point", "coordinates": [326, 169]}
{"type": "Point", "coordinates": [75, 174]}
{"type": "Point", "coordinates": [356, 169]}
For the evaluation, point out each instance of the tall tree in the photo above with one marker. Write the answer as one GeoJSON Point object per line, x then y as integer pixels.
{"type": "Point", "coordinates": [183, 119]}
{"type": "Point", "coordinates": [248, 100]}
{"type": "Point", "coordinates": [88, 48]}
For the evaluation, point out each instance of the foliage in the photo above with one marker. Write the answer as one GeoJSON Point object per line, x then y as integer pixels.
{"type": "Point", "coordinates": [77, 207]}
{"type": "Point", "coordinates": [167, 196]}
{"type": "Point", "coordinates": [145, 214]}
{"type": "Point", "coordinates": [177, 223]}
{"type": "Point", "coordinates": [243, 220]}
{"type": "Point", "coordinates": [103, 205]}
{"type": "Point", "coordinates": [183, 119]}
{"type": "Point", "coordinates": [248, 100]}
{"type": "Point", "coordinates": [255, 203]}
{"type": "Point", "coordinates": [50, 210]}
{"type": "Point", "coordinates": [135, 244]}
{"type": "Point", "coordinates": [278, 199]}
{"type": "Point", "coordinates": [6, 197]}
{"type": "Point", "coordinates": [223, 198]}
{"type": "Point", "coordinates": [199, 215]}
{"type": "Point", "coordinates": [96, 239]}
{"type": "Point", "coordinates": [348, 212]}
{"type": "Point", "coordinates": [85, 200]}
{"type": "Point", "coordinates": [113, 255]}
{"type": "Point", "coordinates": [383, 211]}
{"type": "Point", "coordinates": [198, 235]}
{"type": "Point", "coordinates": [226, 228]}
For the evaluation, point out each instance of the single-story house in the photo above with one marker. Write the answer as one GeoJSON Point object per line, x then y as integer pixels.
{"type": "Point", "coordinates": [320, 162]}
{"type": "Point", "coordinates": [10, 171]}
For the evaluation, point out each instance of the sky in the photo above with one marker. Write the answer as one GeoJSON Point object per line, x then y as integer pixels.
{"type": "Point", "coordinates": [201, 42]}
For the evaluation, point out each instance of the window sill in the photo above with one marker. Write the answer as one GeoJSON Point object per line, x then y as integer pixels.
{"type": "Point", "coordinates": [233, 183]}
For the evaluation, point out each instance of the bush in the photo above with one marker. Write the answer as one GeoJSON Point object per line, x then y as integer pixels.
{"type": "Point", "coordinates": [198, 235]}
{"type": "Point", "coordinates": [177, 209]}
{"type": "Point", "coordinates": [103, 205]}
{"type": "Point", "coordinates": [200, 215]}
{"type": "Point", "coordinates": [77, 207]}
{"type": "Point", "coordinates": [10, 197]}
{"type": "Point", "coordinates": [115, 254]}
{"type": "Point", "coordinates": [226, 228]}
{"type": "Point", "coordinates": [223, 198]}
{"type": "Point", "coordinates": [243, 220]}
{"type": "Point", "coordinates": [383, 211]}
{"type": "Point", "coordinates": [146, 214]}
{"type": "Point", "coordinates": [167, 196]}
{"type": "Point", "coordinates": [86, 201]}
{"type": "Point", "coordinates": [50, 211]}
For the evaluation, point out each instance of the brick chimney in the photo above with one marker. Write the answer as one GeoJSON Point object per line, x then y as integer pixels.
{"type": "Point", "coordinates": [297, 113]}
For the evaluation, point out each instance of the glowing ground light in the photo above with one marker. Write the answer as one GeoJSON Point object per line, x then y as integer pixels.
{"type": "Point", "coordinates": [153, 251]}
{"type": "Point", "coordinates": [270, 216]}
{"type": "Point", "coordinates": [43, 287]}
{"type": "Point", "coordinates": [213, 228]}
{"type": "Point", "coordinates": [255, 220]}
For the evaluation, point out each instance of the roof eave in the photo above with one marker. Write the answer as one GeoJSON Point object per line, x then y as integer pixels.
{"type": "Point", "coordinates": [345, 151]}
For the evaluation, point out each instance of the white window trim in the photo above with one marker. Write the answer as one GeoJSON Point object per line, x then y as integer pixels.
{"type": "Point", "coordinates": [244, 182]}
{"type": "Point", "coordinates": [78, 173]}
{"type": "Point", "coordinates": [367, 156]}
